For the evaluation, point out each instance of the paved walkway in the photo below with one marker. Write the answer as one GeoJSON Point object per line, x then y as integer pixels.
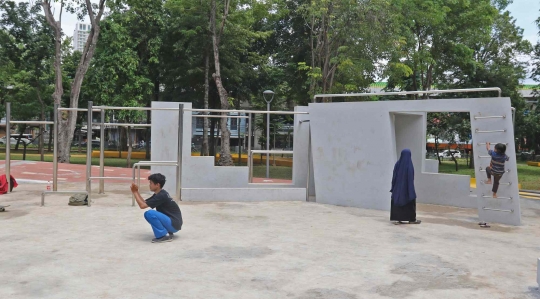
{"type": "Point", "coordinates": [264, 250]}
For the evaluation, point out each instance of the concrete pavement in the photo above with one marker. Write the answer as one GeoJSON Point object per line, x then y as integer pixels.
{"type": "Point", "coordinates": [259, 250]}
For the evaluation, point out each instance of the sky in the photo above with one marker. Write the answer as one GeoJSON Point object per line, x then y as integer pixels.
{"type": "Point", "coordinates": [524, 11]}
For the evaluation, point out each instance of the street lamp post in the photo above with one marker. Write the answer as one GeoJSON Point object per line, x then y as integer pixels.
{"type": "Point", "coordinates": [270, 94]}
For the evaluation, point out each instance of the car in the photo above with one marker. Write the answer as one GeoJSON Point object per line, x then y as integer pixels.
{"type": "Point", "coordinates": [448, 154]}
{"type": "Point", "coordinates": [14, 140]}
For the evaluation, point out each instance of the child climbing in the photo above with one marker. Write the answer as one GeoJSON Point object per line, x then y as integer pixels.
{"type": "Point", "coordinates": [496, 167]}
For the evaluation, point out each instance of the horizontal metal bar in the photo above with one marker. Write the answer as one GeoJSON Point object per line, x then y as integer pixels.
{"type": "Point", "coordinates": [366, 94]}
{"type": "Point", "coordinates": [484, 143]}
{"type": "Point", "coordinates": [31, 122]}
{"type": "Point", "coordinates": [271, 152]}
{"type": "Point", "coordinates": [492, 131]}
{"type": "Point", "coordinates": [133, 108]}
{"type": "Point", "coordinates": [484, 156]}
{"type": "Point", "coordinates": [484, 196]}
{"type": "Point", "coordinates": [506, 184]}
{"type": "Point", "coordinates": [109, 177]}
{"type": "Point", "coordinates": [219, 116]}
{"type": "Point", "coordinates": [125, 125]}
{"type": "Point", "coordinates": [78, 109]}
{"type": "Point", "coordinates": [149, 164]}
{"type": "Point", "coordinates": [198, 110]}
{"type": "Point", "coordinates": [157, 162]}
{"type": "Point", "coordinates": [483, 170]}
{"type": "Point", "coordinates": [66, 192]}
{"type": "Point", "coordinates": [499, 210]}
{"type": "Point", "coordinates": [245, 111]}
{"type": "Point", "coordinates": [486, 117]}
{"type": "Point", "coordinates": [61, 192]}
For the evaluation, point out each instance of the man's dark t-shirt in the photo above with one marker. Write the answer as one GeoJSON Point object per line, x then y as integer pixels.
{"type": "Point", "coordinates": [163, 203]}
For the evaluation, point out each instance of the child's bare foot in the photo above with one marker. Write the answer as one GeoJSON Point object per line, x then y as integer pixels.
{"type": "Point", "coordinates": [494, 195]}
{"type": "Point", "coordinates": [488, 182]}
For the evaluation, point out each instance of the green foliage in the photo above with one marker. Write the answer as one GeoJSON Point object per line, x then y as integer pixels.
{"type": "Point", "coordinates": [25, 59]}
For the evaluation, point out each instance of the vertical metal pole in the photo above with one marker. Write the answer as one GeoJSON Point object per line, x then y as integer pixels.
{"type": "Point", "coordinates": [139, 176]}
{"type": "Point", "coordinates": [89, 183]}
{"type": "Point", "coordinates": [514, 118]}
{"type": "Point", "coordinates": [308, 163]}
{"type": "Point", "coordinates": [267, 140]}
{"type": "Point", "coordinates": [133, 181]}
{"type": "Point", "coordinates": [179, 158]}
{"type": "Point", "coordinates": [249, 149]}
{"type": "Point", "coordinates": [89, 149]}
{"type": "Point", "coordinates": [238, 122]}
{"type": "Point", "coordinates": [101, 153]}
{"type": "Point", "coordinates": [8, 146]}
{"type": "Point", "coordinates": [55, 147]}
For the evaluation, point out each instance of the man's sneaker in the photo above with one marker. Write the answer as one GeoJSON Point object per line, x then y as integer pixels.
{"type": "Point", "coordinates": [162, 239]}
{"type": "Point", "coordinates": [171, 235]}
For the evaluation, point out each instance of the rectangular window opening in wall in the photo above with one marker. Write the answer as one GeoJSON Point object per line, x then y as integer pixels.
{"type": "Point", "coordinates": [234, 124]}
{"type": "Point", "coordinates": [449, 138]}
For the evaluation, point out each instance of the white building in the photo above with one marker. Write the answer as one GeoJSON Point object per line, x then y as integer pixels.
{"type": "Point", "coordinates": [80, 34]}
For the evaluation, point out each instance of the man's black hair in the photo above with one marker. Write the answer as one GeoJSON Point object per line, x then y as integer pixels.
{"type": "Point", "coordinates": [501, 148]}
{"type": "Point", "coordinates": [157, 178]}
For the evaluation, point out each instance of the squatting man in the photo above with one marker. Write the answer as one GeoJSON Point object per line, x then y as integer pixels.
{"type": "Point", "coordinates": [166, 219]}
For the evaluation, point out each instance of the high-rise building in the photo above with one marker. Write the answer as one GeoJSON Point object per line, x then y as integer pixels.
{"type": "Point", "coordinates": [80, 34]}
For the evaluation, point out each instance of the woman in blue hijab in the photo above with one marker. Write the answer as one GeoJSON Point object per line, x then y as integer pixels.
{"type": "Point", "coordinates": [403, 204]}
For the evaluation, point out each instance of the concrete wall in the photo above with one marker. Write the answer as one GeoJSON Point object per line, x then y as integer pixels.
{"type": "Point", "coordinates": [201, 180]}
{"type": "Point", "coordinates": [355, 146]}
{"type": "Point", "coordinates": [431, 166]}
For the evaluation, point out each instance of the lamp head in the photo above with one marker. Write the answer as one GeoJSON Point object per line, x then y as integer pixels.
{"type": "Point", "coordinates": [269, 94]}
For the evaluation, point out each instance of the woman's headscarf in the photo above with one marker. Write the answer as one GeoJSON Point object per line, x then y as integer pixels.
{"type": "Point", "coordinates": [403, 180]}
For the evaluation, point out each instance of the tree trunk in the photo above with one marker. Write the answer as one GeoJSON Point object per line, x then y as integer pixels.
{"type": "Point", "coordinates": [455, 160]}
{"type": "Point", "coordinates": [212, 149]}
{"type": "Point", "coordinates": [68, 120]}
{"type": "Point", "coordinates": [204, 150]}
{"type": "Point", "coordinates": [225, 158]}
{"type": "Point", "coordinates": [437, 150]}
{"type": "Point", "coordinates": [129, 147]}
{"type": "Point", "coordinates": [51, 135]}
{"type": "Point", "coordinates": [41, 128]}
{"type": "Point", "coordinates": [471, 163]}
{"type": "Point", "coordinates": [312, 83]}
{"type": "Point", "coordinates": [79, 133]}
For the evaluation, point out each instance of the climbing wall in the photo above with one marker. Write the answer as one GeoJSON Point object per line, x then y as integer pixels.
{"type": "Point", "coordinates": [493, 124]}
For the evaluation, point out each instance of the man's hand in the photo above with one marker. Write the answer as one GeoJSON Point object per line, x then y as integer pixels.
{"type": "Point", "coordinates": [134, 188]}
{"type": "Point", "coordinates": [140, 201]}
{"type": "Point", "coordinates": [487, 146]}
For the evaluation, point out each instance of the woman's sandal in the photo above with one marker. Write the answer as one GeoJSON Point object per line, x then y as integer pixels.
{"type": "Point", "coordinates": [484, 225]}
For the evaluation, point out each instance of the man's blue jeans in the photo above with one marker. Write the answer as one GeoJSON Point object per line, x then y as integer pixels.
{"type": "Point", "coordinates": [161, 223]}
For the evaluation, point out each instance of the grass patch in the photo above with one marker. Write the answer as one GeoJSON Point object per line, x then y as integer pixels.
{"type": "Point", "coordinates": [528, 176]}
{"type": "Point", "coordinates": [276, 172]}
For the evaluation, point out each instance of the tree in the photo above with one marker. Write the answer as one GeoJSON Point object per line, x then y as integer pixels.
{"type": "Point", "coordinates": [26, 54]}
{"type": "Point", "coordinates": [531, 129]}
{"type": "Point", "coordinates": [433, 38]}
{"type": "Point", "coordinates": [225, 158]}
{"type": "Point", "coordinates": [346, 38]}
{"type": "Point", "coordinates": [67, 121]}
